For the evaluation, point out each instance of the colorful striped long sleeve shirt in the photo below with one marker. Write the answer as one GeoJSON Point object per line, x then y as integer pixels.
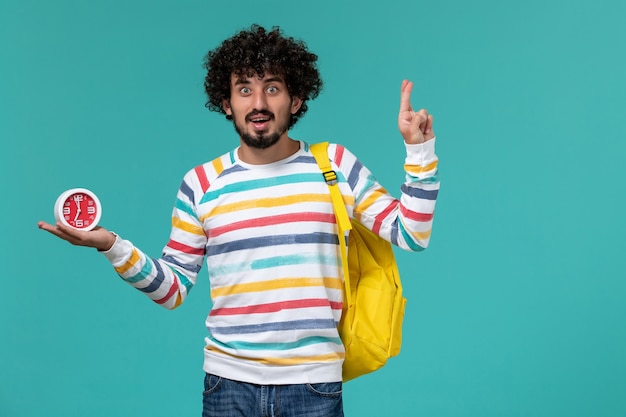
{"type": "Point", "coordinates": [268, 236]}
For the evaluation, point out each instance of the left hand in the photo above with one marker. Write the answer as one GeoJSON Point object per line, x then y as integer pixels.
{"type": "Point", "coordinates": [415, 127]}
{"type": "Point", "coordinates": [98, 238]}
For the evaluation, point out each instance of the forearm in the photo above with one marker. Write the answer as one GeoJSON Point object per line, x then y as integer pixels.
{"type": "Point", "coordinates": [406, 222]}
{"type": "Point", "coordinates": [164, 280]}
{"type": "Point", "coordinates": [419, 195]}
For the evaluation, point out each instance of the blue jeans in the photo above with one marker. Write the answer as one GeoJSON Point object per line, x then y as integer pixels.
{"type": "Point", "coordinates": [226, 398]}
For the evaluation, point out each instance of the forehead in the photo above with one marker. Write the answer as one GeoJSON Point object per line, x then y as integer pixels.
{"type": "Point", "coordinates": [247, 78]}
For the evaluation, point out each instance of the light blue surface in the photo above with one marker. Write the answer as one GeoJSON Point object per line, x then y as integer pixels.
{"type": "Point", "coordinates": [516, 309]}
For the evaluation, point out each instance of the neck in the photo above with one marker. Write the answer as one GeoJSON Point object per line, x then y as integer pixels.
{"type": "Point", "coordinates": [282, 149]}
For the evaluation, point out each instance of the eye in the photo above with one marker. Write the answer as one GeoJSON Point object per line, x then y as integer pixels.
{"type": "Point", "coordinates": [272, 89]}
{"type": "Point", "coordinates": [244, 91]}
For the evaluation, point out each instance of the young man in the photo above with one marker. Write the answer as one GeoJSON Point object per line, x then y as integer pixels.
{"type": "Point", "coordinates": [262, 217]}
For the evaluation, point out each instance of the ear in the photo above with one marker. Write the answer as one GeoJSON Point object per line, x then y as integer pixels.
{"type": "Point", "coordinates": [296, 103]}
{"type": "Point", "coordinates": [226, 107]}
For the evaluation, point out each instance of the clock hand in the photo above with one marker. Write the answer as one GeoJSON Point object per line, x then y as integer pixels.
{"type": "Point", "coordinates": [77, 200]}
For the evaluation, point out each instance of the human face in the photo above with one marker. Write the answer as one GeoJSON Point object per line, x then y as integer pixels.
{"type": "Point", "coordinates": [261, 108]}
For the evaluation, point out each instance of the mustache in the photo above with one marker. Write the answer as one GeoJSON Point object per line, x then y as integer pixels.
{"type": "Point", "coordinates": [259, 112]}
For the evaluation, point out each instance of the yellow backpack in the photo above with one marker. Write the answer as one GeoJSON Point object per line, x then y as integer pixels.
{"type": "Point", "coordinates": [373, 307]}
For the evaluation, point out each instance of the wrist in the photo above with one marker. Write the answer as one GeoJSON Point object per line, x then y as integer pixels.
{"type": "Point", "coordinates": [108, 242]}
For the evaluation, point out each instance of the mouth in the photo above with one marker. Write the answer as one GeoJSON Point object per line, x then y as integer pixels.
{"type": "Point", "coordinates": [260, 121]}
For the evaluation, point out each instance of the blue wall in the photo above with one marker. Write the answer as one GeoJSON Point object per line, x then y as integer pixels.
{"type": "Point", "coordinates": [516, 309]}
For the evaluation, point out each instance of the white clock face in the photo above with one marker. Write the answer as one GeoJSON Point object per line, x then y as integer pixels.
{"type": "Point", "coordinates": [78, 208]}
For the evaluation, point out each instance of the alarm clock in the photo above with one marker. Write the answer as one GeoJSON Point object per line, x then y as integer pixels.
{"type": "Point", "coordinates": [78, 208]}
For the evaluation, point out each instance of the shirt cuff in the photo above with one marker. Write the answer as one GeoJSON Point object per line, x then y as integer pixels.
{"type": "Point", "coordinates": [120, 252]}
{"type": "Point", "coordinates": [421, 153]}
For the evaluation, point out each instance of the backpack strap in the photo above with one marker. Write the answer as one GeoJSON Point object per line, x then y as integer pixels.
{"type": "Point", "coordinates": [320, 152]}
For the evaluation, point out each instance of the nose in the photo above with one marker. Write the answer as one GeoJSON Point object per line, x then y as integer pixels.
{"type": "Point", "coordinates": [260, 101]}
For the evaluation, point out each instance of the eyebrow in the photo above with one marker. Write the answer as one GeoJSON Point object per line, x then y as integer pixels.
{"type": "Point", "coordinates": [266, 80]}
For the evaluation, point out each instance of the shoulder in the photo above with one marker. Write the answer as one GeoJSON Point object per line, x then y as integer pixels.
{"type": "Point", "coordinates": [203, 175]}
{"type": "Point", "coordinates": [341, 156]}
{"type": "Point", "coordinates": [338, 154]}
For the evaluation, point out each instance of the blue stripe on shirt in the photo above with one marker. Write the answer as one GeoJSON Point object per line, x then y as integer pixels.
{"type": "Point", "coordinates": [409, 239]}
{"type": "Point", "coordinates": [182, 206]}
{"type": "Point", "coordinates": [278, 326]}
{"type": "Point", "coordinates": [185, 189]}
{"type": "Point", "coordinates": [260, 183]}
{"type": "Point", "coordinates": [264, 241]}
{"type": "Point", "coordinates": [353, 177]}
{"type": "Point", "coordinates": [419, 193]}
{"type": "Point", "coordinates": [274, 261]}
{"type": "Point", "coordinates": [307, 341]}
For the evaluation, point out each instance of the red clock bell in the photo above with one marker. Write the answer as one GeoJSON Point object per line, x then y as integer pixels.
{"type": "Point", "coordinates": [78, 208]}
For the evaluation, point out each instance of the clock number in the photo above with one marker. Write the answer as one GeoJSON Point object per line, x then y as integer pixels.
{"type": "Point", "coordinates": [91, 210]}
{"type": "Point", "coordinates": [79, 223]}
{"type": "Point", "coordinates": [66, 210]}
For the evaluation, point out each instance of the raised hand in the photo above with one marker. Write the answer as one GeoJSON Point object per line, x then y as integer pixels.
{"type": "Point", "coordinates": [415, 126]}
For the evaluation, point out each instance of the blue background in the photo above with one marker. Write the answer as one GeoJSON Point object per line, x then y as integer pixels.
{"type": "Point", "coordinates": [517, 308]}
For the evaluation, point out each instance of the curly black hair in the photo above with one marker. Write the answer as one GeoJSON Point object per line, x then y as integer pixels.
{"type": "Point", "coordinates": [256, 51]}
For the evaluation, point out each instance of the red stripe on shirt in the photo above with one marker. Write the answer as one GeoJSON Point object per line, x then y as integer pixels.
{"type": "Point", "coordinates": [184, 248]}
{"type": "Point", "coordinates": [414, 215]}
{"type": "Point", "coordinates": [378, 221]}
{"type": "Point", "coordinates": [338, 155]}
{"type": "Point", "coordinates": [171, 292]}
{"type": "Point", "coordinates": [274, 307]}
{"type": "Point", "coordinates": [271, 220]}
{"type": "Point", "coordinates": [204, 181]}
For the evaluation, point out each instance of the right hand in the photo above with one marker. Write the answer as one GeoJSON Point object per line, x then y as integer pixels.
{"type": "Point", "coordinates": [415, 126]}
{"type": "Point", "coordinates": [98, 238]}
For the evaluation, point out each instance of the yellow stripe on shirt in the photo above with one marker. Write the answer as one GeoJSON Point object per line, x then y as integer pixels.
{"type": "Point", "coordinates": [187, 227]}
{"type": "Point", "coordinates": [277, 284]}
{"type": "Point", "coordinates": [134, 258]}
{"type": "Point", "coordinates": [418, 169]}
{"type": "Point", "coordinates": [265, 203]}
{"type": "Point", "coordinates": [371, 199]}
{"type": "Point", "coordinates": [329, 357]}
{"type": "Point", "coordinates": [218, 166]}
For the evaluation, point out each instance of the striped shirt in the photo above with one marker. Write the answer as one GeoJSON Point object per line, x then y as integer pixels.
{"type": "Point", "coordinates": [268, 235]}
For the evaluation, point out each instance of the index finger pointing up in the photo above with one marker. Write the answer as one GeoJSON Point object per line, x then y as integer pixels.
{"type": "Point", "coordinates": [405, 96]}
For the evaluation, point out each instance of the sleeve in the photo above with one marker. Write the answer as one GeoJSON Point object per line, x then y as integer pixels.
{"type": "Point", "coordinates": [406, 222]}
{"type": "Point", "coordinates": [167, 280]}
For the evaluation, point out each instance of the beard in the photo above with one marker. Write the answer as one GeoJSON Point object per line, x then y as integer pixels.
{"type": "Point", "coordinates": [261, 139]}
